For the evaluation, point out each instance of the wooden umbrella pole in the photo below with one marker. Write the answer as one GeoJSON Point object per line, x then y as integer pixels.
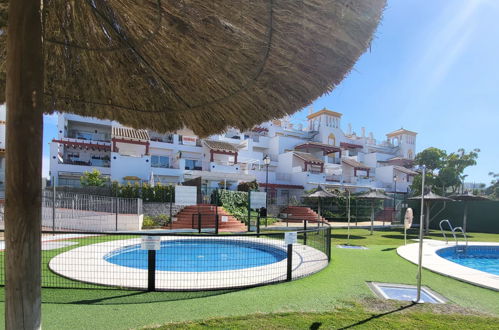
{"type": "Point", "coordinates": [23, 166]}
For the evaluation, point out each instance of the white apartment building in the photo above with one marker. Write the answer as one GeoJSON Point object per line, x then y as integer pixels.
{"type": "Point", "coordinates": [301, 158]}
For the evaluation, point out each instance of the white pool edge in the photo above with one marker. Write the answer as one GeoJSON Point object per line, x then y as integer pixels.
{"type": "Point", "coordinates": [92, 268]}
{"type": "Point", "coordinates": [433, 262]}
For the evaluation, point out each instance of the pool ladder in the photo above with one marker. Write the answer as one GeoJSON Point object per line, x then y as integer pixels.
{"type": "Point", "coordinates": [453, 231]}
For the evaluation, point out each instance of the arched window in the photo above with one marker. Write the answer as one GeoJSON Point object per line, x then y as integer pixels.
{"type": "Point", "coordinates": [410, 154]}
{"type": "Point", "coordinates": [331, 139]}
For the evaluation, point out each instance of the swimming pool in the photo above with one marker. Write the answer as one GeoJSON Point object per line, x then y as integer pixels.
{"type": "Point", "coordinates": [199, 255]}
{"type": "Point", "coordinates": [262, 260]}
{"type": "Point", "coordinates": [484, 258]}
{"type": "Point", "coordinates": [475, 266]}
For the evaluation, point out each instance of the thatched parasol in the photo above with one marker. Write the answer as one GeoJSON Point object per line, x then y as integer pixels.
{"type": "Point", "coordinates": [321, 192]}
{"type": "Point", "coordinates": [429, 198]}
{"type": "Point", "coordinates": [168, 64]}
{"type": "Point", "coordinates": [374, 196]}
{"type": "Point", "coordinates": [157, 64]}
{"type": "Point", "coordinates": [465, 198]}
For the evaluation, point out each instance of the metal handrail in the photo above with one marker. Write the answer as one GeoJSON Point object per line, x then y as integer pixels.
{"type": "Point", "coordinates": [453, 231]}
{"type": "Point", "coordinates": [442, 230]}
{"type": "Point", "coordinates": [464, 236]}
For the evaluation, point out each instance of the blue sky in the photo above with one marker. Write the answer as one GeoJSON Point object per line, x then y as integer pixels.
{"type": "Point", "coordinates": [433, 68]}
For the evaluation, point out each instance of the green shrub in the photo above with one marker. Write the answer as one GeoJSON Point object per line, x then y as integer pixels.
{"type": "Point", "coordinates": [158, 193]}
{"type": "Point", "coordinates": [162, 219]}
{"type": "Point", "coordinates": [148, 222]}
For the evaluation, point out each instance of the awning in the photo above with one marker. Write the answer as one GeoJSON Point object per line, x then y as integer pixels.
{"type": "Point", "coordinates": [130, 133]}
{"type": "Point", "coordinates": [405, 170]}
{"type": "Point", "coordinates": [347, 145]}
{"type": "Point", "coordinates": [221, 146]}
{"type": "Point", "coordinates": [400, 161]}
{"type": "Point", "coordinates": [326, 148]}
{"type": "Point", "coordinates": [355, 164]}
{"type": "Point", "coordinates": [307, 157]}
{"type": "Point", "coordinates": [88, 144]}
{"type": "Point", "coordinates": [280, 186]}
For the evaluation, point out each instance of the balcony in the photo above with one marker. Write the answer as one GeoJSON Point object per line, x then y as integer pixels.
{"type": "Point", "coordinates": [167, 138]}
{"type": "Point", "coordinates": [96, 162]}
{"type": "Point", "coordinates": [333, 178]}
{"type": "Point", "coordinates": [260, 142]}
{"type": "Point", "coordinates": [89, 136]}
{"type": "Point", "coordinates": [224, 168]}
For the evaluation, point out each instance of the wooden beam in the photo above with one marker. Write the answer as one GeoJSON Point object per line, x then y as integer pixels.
{"type": "Point", "coordinates": [24, 94]}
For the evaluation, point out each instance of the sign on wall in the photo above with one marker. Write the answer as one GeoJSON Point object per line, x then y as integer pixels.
{"type": "Point", "coordinates": [150, 243]}
{"type": "Point", "coordinates": [258, 199]}
{"type": "Point", "coordinates": [189, 140]}
{"type": "Point", "coordinates": [185, 195]}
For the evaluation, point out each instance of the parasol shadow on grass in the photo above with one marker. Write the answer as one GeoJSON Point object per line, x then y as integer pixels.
{"type": "Point", "coordinates": [158, 64]}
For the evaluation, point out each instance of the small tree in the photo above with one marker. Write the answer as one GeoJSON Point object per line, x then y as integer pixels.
{"type": "Point", "coordinates": [443, 170]}
{"type": "Point", "coordinates": [493, 189]}
{"type": "Point", "coordinates": [93, 179]}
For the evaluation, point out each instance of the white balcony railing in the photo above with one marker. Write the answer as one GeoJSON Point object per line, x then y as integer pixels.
{"type": "Point", "coordinates": [225, 168]}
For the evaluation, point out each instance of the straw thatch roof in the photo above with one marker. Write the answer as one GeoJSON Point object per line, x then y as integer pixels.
{"type": "Point", "coordinates": [431, 196]}
{"type": "Point", "coordinates": [164, 64]}
{"type": "Point", "coordinates": [468, 197]}
{"type": "Point", "coordinates": [374, 194]}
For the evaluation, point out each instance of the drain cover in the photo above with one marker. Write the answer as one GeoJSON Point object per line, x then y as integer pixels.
{"type": "Point", "coordinates": [355, 247]}
{"type": "Point", "coordinates": [405, 292]}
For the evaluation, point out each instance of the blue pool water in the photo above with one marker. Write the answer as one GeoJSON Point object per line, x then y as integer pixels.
{"type": "Point", "coordinates": [484, 258]}
{"type": "Point", "coordinates": [199, 255]}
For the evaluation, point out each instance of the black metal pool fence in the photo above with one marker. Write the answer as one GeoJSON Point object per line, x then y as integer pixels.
{"type": "Point", "coordinates": [184, 262]}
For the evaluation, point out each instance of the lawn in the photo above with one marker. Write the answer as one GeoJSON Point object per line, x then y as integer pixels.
{"type": "Point", "coordinates": [335, 297]}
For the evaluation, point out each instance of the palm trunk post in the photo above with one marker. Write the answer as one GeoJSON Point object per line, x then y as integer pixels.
{"type": "Point", "coordinates": [23, 166]}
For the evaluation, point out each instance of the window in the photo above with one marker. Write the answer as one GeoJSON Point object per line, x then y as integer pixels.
{"type": "Point", "coordinates": [192, 164]}
{"type": "Point", "coordinates": [160, 161]}
{"type": "Point", "coordinates": [331, 139]}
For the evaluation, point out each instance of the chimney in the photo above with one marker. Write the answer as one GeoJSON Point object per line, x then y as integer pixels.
{"type": "Point", "coordinates": [363, 132]}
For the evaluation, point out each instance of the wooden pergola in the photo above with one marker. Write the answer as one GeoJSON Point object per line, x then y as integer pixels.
{"type": "Point", "coordinates": [325, 148]}
{"type": "Point", "coordinates": [221, 148]}
{"type": "Point", "coordinates": [357, 166]}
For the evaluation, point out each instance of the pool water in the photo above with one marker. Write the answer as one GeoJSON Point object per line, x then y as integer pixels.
{"type": "Point", "coordinates": [195, 255]}
{"type": "Point", "coordinates": [484, 258]}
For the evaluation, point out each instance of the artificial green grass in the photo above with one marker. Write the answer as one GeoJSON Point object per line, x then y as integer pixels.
{"type": "Point", "coordinates": [361, 236]}
{"type": "Point", "coordinates": [338, 288]}
{"type": "Point", "coordinates": [344, 318]}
